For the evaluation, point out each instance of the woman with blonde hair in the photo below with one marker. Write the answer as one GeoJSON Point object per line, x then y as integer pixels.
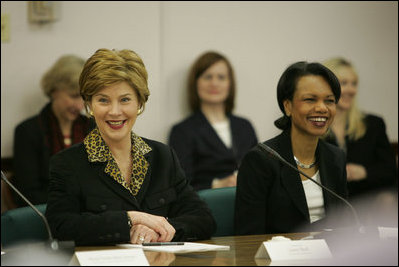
{"type": "Point", "coordinates": [116, 186]}
{"type": "Point", "coordinates": [59, 125]}
{"type": "Point", "coordinates": [370, 158]}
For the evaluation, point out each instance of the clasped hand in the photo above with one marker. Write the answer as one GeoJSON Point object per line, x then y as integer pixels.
{"type": "Point", "coordinates": [355, 172]}
{"type": "Point", "coordinates": [149, 228]}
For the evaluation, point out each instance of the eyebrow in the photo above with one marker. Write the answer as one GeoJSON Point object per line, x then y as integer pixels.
{"type": "Point", "coordinates": [313, 95]}
{"type": "Point", "coordinates": [103, 95]}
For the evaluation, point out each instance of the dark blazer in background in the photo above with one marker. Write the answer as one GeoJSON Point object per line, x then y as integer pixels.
{"type": "Point", "coordinates": [203, 155]}
{"type": "Point", "coordinates": [88, 206]}
{"type": "Point", "coordinates": [270, 196]}
{"type": "Point", "coordinates": [375, 153]}
{"type": "Point", "coordinates": [32, 154]}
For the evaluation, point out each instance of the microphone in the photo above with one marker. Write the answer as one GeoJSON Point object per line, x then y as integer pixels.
{"type": "Point", "coordinates": [277, 156]}
{"type": "Point", "coordinates": [53, 242]}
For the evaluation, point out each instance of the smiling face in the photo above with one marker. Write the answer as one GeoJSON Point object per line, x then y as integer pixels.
{"type": "Point", "coordinates": [348, 80]}
{"type": "Point", "coordinates": [115, 111]}
{"type": "Point", "coordinates": [66, 104]}
{"type": "Point", "coordinates": [312, 108]}
{"type": "Point", "coordinates": [213, 85]}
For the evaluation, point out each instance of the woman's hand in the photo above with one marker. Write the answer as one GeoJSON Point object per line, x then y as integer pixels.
{"type": "Point", "coordinates": [227, 181]}
{"type": "Point", "coordinates": [355, 172]}
{"type": "Point", "coordinates": [158, 224]}
{"type": "Point", "coordinates": [140, 233]}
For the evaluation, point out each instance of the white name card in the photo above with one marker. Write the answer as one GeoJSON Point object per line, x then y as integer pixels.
{"type": "Point", "coordinates": [294, 250]}
{"type": "Point", "coordinates": [112, 257]}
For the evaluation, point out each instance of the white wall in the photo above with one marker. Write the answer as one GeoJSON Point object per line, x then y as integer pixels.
{"type": "Point", "coordinates": [260, 38]}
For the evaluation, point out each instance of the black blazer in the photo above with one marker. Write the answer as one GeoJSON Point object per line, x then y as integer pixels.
{"type": "Point", "coordinates": [270, 196]}
{"type": "Point", "coordinates": [203, 154]}
{"type": "Point", "coordinates": [32, 154]}
{"type": "Point", "coordinates": [88, 206]}
{"type": "Point", "coordinates": [375, 153]}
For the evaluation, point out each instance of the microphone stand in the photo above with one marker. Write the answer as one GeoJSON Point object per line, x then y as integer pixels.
{"type": "Point", "coordinates": [273, 153]}
{"type": "Point", "coordinates": [53, 242]}
{"type": "Point", "coordinates": [54, 252]}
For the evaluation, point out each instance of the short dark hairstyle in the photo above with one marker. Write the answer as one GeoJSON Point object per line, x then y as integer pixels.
{"type": "Point", "coordinates": [198, 68]}
{"type": "Point", "coordinates": [288, 84]}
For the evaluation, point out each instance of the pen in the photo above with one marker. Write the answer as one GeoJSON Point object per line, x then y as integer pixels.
{"type": "Point", "coordinates": [163, 244]}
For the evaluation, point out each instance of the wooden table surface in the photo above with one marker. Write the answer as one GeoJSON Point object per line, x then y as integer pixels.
{"type": "Point", "coordinates": [242, 252]}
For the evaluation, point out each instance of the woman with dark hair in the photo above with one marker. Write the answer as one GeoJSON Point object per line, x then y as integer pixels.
{"type": "Point", "coordinates": [273, 198]}
{"type": "Point", "coordinates": [211, 142]}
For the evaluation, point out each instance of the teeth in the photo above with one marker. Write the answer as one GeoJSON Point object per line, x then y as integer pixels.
{"type": "Point", "coordinates": [318, 119]}
{"type": "Point", "coordinates": [115, 122]}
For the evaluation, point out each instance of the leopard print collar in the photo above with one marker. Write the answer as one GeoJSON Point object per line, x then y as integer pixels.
{"type": "Point", "coordinates": [98, 151]}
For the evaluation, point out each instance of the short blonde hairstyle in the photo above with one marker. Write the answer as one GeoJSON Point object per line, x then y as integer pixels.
{"type": "Point", "coordinates": [355, 118]}
{"type": "Point", "coordinates": [107, 67]}
{"type": "Point", "coordinates": [64, 74]}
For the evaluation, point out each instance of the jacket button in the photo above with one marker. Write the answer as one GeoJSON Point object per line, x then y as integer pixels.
{"type": "Point", "coordinates": [161, 201]}
{"type": "Point", "coordinates": [117, 235]}
{"type": "Point", "coordinates": [103, 207]}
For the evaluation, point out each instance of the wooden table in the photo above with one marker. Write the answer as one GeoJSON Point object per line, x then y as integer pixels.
{"type": "Point", "coordinates": [242, 252]}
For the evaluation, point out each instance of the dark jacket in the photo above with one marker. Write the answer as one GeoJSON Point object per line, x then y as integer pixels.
{"type": "Point", "coordinates": [88, 206]}
{"type": "Point", "coordinates": [32, 152]}
{"type": "Point", "coordinates": [270, 196]}
{"type": "Point", "coordinates": [203, 155]}
{"type": "Point", "coordinates": [374, 152]}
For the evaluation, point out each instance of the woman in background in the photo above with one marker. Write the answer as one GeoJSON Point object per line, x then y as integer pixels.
{"type": "Point", "coordinates": [58, 126]}
{"type": "Point", "coordinates": [116, 186]}
{"type": "Point", "coordinates": [211, 142]}
{"type": "Point", "coordinates": [273, 198]}
{"type": "Point", "coordinates": [371, 164]}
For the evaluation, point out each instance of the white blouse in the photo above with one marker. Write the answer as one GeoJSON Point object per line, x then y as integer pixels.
{"type": "Point", "coordinates": [224, 132]}
{"type": "Point", "coordinates": [314, 198]}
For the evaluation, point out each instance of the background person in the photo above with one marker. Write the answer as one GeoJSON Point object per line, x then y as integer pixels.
{"type": "Point", "coordinates": [273, 198]}
{"type": "Point", "coordinates": [371, 165]}
{"type": "Point", "coordinates": [117, 186]}
{"type": "Point", "coordinates": [211, 142]}
{"type": "Point", "coordinates": [58, 125]}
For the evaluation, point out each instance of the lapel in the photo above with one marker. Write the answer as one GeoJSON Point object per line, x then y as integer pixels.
{"type": "Point", "coordinates": [144, 187]}
{"type": "Point", "coordinates": [235, 134]}
{"type": "Point", "coordinates": [206, 130]}
{"type": "Point", "coordinates": [117, 188]}
{"type": "Point", "coordinates": [328, 172]}
{"type": "Point", "coordinates": [291, 179]}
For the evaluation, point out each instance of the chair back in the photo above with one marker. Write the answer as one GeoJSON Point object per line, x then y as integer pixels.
{"type": "Point", "coordinates": [221, 201]}
{"type": "Point", "coordinates": [22, 224]}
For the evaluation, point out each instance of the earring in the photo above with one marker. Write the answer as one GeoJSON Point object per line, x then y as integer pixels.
{"type": "Point", "coordinates": [140, 111]}
{"type": "Point", "coordinates": [91, 113]}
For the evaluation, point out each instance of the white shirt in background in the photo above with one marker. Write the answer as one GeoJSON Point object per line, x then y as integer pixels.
{"type": "Point", "coordinates": [224, 132]}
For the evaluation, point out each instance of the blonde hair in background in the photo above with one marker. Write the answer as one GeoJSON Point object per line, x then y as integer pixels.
{"type": "Point", "coordinates": [107, 67]}
{"type": "Point", "coordinates": [356, 126]}
{"type": "Point", "coordinates": [64, 74]}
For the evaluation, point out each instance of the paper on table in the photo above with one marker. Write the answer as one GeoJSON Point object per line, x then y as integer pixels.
{"type": "Point", "coordinates": [187, 247]}
{"type": "Point", "coordinates": [112, 257]}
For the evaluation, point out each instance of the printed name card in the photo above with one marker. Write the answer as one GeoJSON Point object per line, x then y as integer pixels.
{"type": "Point", "coordinates": [294, 250]}
{"type": "Point", "coordinates": [112, 257]}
